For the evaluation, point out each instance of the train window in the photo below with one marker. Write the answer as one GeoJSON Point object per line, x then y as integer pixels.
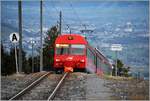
{"type": "Point", "coordinates": [62, 49]}
{"type": "Point", "coordinates": [77, 49]}
{"type": "Point", "coordinates": [78, 46]}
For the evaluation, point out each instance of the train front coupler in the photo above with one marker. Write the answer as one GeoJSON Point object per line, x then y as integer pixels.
{"type": "Point", "coordinates": [68, 69]}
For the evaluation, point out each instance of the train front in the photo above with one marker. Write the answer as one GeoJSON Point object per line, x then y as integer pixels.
{"type": "Point", "coordinates": [70, 53]}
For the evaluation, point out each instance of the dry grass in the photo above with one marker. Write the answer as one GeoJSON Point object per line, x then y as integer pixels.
{"type": "Point", "coordinates": [132, 89]}
{"type": "Point", "coordinates": [117, 77]}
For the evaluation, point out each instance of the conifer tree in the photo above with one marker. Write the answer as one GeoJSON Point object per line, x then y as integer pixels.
{"type": "Point", "coordinates": [121, 70]}
{"type": "Point", "coordinates": [48, 50]}
{"type": "Point", "coordinates": [8, 61]}
{"type": "Point", "coordinates": [4, 59]}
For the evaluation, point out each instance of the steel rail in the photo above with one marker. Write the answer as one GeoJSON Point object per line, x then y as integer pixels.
{"type": "Point", "coordinates": [29, 87]}
{"type": "Point", "coordinates": [51, 97]}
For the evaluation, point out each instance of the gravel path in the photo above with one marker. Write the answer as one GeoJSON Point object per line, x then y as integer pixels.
{"type": "Point", "coordinates": [96, 90]}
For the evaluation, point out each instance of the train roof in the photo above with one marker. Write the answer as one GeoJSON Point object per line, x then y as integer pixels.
{"type": "Point", "coordinates": [70, 39]}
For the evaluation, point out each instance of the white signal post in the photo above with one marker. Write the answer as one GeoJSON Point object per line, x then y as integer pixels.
{"type": "Point", "coordinates": [14, 38]}
{"type": "Point", "coordinates": [116, 48]}
{"type": "Point", "coordinates": [33, 43]}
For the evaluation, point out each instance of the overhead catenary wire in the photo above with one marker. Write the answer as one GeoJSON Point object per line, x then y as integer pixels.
{"type": "Point", "coordinates": [74, 11]}
{"type": "Point", "coordinates": [64, 22]}
{"type": "Point", "coordinates": [58, 11]}
{"type": "Point", "coordinates": [81, 24]}
{"type": "Point", "coordinates": [79, 19]}
{"type": "Point", "coordinates": [49, 13]}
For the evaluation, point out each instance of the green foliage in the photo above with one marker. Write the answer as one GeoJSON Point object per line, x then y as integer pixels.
{"type": "Point", "coordinates": [119, 63]}
{"type": "Point", "coordinates": [48, 50]}
{"type": "Point", "coordinates": [121, 70]}
{"type": "Point", "coordinates": [8, 62]}
{"type": "Point", "coordinates": [36, 63]}
{"type": "Point", "coordinates": [28, 66]}
{"type": "Point", "coordinates": [7, 67]}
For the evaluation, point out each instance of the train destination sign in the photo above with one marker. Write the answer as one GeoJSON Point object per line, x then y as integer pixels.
{"type": "Point", "coordinates": [14, 37]}
{"type": "Point", "coordinates": [116, 47]}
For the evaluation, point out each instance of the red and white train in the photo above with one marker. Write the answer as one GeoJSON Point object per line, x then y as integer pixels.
{"type": "Point", "coordinates": [72, 52]}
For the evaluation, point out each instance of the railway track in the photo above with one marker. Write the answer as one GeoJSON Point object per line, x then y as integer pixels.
{"type": "Point", "coordinates": [74, 88]}
{"type": "Point", "coordinates": [49, 95]}
{"type": "Point", "coordinates": [22, 92]}
{"type": "Point", "coordinates": [11, 85]}
{"type": "Point", "coordinates": [52, 95]}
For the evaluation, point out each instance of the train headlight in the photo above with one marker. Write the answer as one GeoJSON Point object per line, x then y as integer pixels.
{"type": "Point", "coordinates": [57, 60]}
{"type": "Point", "coordinates": [70, 38]}
{"type": "Point", "coordinates": [82, 60]}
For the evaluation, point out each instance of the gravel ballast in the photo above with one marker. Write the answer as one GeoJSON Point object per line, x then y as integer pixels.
{"type": "Point", "coordinates": [77, 86]}
{"type": "Point", "coordinates": [10, 85]}
{"type": "Point", "coordinates": [43, 89]}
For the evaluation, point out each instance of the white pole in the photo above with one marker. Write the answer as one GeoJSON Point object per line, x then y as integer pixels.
{"type": "Point", "coordinates": [116, 63]}
{"type": "Point", "coordinates": [32, 58]}
{"type": "Point", "coordinates": [16, 60]}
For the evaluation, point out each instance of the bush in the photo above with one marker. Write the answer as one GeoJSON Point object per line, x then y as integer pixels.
{"type": "Point", "coordinates": [121, 70]}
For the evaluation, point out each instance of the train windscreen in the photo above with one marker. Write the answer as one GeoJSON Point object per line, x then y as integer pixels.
{"type": "Point", "coordinates": [62, 49]}
{"type": "Point", "coordinates": [73, 49]}
{"type": "Point", "coordinates": [77, 49]}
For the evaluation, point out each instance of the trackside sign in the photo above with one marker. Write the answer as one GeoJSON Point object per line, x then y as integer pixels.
{"type": "Point", "coordinates": [116, 47]}
{"type": "Point", "coordinates": [14, 37]}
